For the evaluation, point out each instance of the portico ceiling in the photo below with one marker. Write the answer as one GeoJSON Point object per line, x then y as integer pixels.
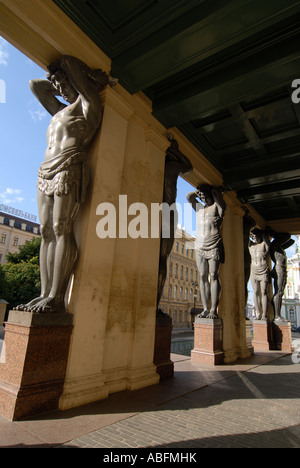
{"type": "Point", "coordinates": [221, 72]}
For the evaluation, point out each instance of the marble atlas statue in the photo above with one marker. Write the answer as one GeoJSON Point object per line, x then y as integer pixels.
{"type": "Point", "coordinates": [175, 164]}
{"type": "Point", "coordinates": [63, 176]}
{"type": "Point", "coordinates": [210, 209]}
{"type": "Point", "coordinates": [259, 248]}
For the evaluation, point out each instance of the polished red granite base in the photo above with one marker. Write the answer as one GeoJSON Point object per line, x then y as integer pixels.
{"type": "Point", "coordinates": [162, 349]}
{"type": "Point", "coordinates": [282, 336]}
{"type": "Point", "coordinates": [262, 335]}
{"type": "Point", "coordinates": [208, 345]}
{"type": "Point", "coordinates": [33, 363]}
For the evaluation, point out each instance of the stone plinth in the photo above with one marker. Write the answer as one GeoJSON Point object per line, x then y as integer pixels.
{"type": "Point", "coordinates": [262, 335]}
{"type": "Point", "coordinates": [162, 349]}
{"type": "Point", "coordinates": [33, 363]}
{"type": "Point", "coordinates": [282, 336]}
{"type": "Point", "coordinates": [208, 347]}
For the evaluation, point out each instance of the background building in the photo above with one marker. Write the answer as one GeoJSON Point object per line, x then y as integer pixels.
{"type": "Point", "coordinates": [291, 300]}
{"type": "Point", "coordinates": [15, 231]}
{"type": "Point", "coordinates": [181, 292]}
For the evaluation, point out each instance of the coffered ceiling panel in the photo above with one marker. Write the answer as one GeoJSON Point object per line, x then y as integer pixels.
{"type": "Point", "coordinates": [221, 72]}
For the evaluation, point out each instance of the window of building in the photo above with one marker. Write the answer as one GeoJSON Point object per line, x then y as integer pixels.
{"type": "Point", "coordinates": [176, 270]}
{"type": "Point", "coordinates": [17, 225]}
{"type": "Point", "coordinates": [181, 291]}
{"type": "Point", "coordinates": [6, 221]}
{"type": "Point", "coordinates": [187, 252]}
{"type": "Point", "coordinates": [192, 254]}
{"type": "Point", "coordinates": [171, 268]}
{"type": "Point", "coordinates": [186, 294]}
{"type": "Point", "coordinates": [16, 242]}
{"type": "Point", "coordinates": [292, 314]}
{"type": "Point", "coordinates": [187, 273]}
{"type": "Point", "coordinates": [177, 246]}
{"type": "Point", "coordinates": [192, 275]}
{"type": "Point", "coordinates": [3, 238]}
{"type": "Point", "coordinates": [182, 248]}
{"type": "Point", "coordinates": [191, 295]}
{"type": "Point", "coordinates": [175, 292]}
{"type": "Point", "coordinates": [181, 271]}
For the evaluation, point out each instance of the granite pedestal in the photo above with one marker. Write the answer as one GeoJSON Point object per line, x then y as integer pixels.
{"type": "Point", "coordinates": [262, 335]}
{"type": "Point", "coordinates": [282, 336]}
{"type": "Point", "coordinates": [33, 363]}
{"type": "Point", "coordinates": [162, 348]}
{"type": "Point", "coordinates": [208, 337]}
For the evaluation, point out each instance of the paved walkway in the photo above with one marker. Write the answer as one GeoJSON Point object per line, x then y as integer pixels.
{"type": "Point", "coordinates": [254, 403]}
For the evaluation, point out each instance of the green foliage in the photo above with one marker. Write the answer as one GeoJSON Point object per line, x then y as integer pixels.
{"type": "Point", "coordinates": [20, 277]}
{"type": "Point", "coordinates": [21, 283]}
{"type": "Point", "coordinates": [27, 253]}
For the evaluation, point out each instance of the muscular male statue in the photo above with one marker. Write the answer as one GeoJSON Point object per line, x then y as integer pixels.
{"type": "Point", "coordinates": [62, 177]}
{"type": "Point", "coordinates": [281, 241]}
{"type": "Point", "coordinates": [175, 164]}
{"type": "Point", "coordinates": [209, 245]}
{"type": "Point", "coordinates": [259, 247]}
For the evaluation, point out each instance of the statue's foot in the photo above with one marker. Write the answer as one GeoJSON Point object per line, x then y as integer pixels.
{"type": "Point", "coordinates": [48, 306]}
{"type": "Point", "coordinates": [280, 319]}
{"type": "Point", "coordinates": [212, 315]}
{"type": "Point", "coordinates": [203, 314]}
{"type": "Point", "coordinates": [27, 307]}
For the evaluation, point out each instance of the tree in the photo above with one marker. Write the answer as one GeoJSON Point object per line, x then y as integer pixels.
{"type": "Point", "coordinates": [20, 277]}
{"type": "Point", "coordinates": [27, 253]}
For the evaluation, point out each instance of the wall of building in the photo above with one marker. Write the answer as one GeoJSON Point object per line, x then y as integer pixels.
{"type": "Point", "coordinates": [291, 301]}
{"type": "Point", "coordinates": [182, 283]}
{"type": "Point", "coordinates": [15, 232]}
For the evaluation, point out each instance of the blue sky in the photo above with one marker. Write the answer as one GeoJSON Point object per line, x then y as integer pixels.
{"type": "Point", "coordinates": [23, 127]}
{"type": "Point", "coordinates": [23, 130]}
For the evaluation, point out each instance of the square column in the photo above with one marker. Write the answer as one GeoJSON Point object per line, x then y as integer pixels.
{"type": "Point", "coordinates": [208, 347]}
{"type": "Point", "coordinates": [33, 363]}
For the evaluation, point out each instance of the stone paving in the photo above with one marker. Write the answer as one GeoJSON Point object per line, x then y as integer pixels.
{"type": "Point", "coordinates": [259, 408]}
{"type": "Point", "coordinates": [251, 404]}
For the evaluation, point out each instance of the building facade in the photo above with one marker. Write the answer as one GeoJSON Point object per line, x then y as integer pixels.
{"type": "Point", "coordinates": [181, 291]}
{"type": "Point", "coordinates": [291, 300]}
{"type": "Point", "coordinates": [15, 232]}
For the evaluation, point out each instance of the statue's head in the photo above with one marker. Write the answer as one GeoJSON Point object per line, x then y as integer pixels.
{"type": "Point", "coordinates": [205, 194]}
{"type": "Point", "coordinates": [61, 82]}
{"type": "Point", "coordinates": [256, 235]}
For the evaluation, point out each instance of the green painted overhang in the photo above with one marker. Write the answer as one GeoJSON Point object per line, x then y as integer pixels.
{"type": "Point", "coordinates": [221, 72]}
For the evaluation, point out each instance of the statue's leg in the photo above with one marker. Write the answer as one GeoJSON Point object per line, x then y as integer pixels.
{"type": "Point", "coordinates": [215, 287]}
{"type": "Point", "coordinates": [202, 265]}
{"type": "Point", "coordinates": [264, 299]}
{"type": "Point", "coordinates": [65, 209]}
{"type": "Point", "coordinates": [47, 249]}
{"type": "Point", "coordinates": [257, 298]}
{"type": "Point", "coordinates": [279, 286]}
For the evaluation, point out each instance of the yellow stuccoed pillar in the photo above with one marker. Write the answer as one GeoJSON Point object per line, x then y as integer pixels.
{"type": "Point", "coordinates": [232, 309]}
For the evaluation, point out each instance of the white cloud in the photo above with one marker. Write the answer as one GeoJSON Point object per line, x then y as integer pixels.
{"type": "Point", "coordinates": [4, 55]}
{"type": "Point", "coordinates": [10, 196]}
{"type": "Point", "coordinates": [37, 115]}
